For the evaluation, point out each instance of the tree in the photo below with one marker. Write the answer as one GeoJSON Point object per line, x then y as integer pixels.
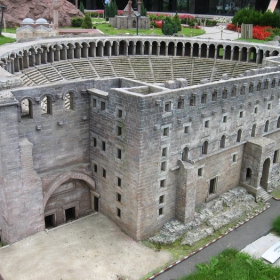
{"type": "Point", "coordinates": [87, 23]}
{"type": "Point", "coordinates": [81, 7]}
{"type": "Point", "coordinates": [111, 9]}
{"type": "Point", "coordinates": [177, 20]}
{"type": "Point", "coordinates": [143, 10]}
{"type": "Point", "coordinates": [169, 27]}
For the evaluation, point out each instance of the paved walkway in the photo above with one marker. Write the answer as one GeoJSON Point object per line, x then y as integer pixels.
{"type": "Point", "coordinates": [239, 239]}
{"type": "Point", "coordinates": [218, 33]}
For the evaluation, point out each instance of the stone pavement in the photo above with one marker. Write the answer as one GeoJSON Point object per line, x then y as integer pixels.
{"type": "Point", "coordinates": [218, 33]}
{"type": "Point", "coordinates": [91, 248]}
{"type": "Point", "coordinates": [238, 238]}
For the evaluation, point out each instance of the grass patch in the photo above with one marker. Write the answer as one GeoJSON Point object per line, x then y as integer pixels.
{"type": "Point", "coordinates": [9, 30]}
{"type": "Point", "coordinates": [276, 225]}
{"type": "Point", "coordinates": [276, 193]}
{"type": "Point", "coordinates": [233, 265]}
{"type": "Point", "coordinates": [252, 41]}
{"type": "Point", "coordinates": [109, 30]}
{"type": "Point", "coordinates": [5, 40]}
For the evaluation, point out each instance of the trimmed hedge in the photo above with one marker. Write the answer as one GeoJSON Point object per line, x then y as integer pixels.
{"type": "Point", "coordinates": [76, 21]}
{"type": "Point", "coordinates": [169, 27]}
{"type": "Point", "coordinates": [87, 24]}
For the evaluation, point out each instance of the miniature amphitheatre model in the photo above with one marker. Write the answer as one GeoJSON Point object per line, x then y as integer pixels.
{"type": "Point", "coordinates": [142, 129]}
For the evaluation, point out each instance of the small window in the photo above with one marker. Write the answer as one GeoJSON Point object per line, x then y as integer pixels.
{"type": "Point", "coordinates": [241, 114]}
{"type": "Point", "coordinates": [120, 113]}
{"type": "Point", "coordinates": [160, 211]}
{"type": "Point", "coordinates": [162, 183]}
{"type": "Point", "coordinates": [206, 124]}
{"type": "Point", "coordinates": [242, 90]}
{"type": "Point", "coordinates": [161, 199]}
{"type": "Point", "coordinates": [233, 91]}
{"type": "Point", "coordinates": [95, 168]}
{"type": "Point", "coordinates": [199, 171]}
{"type": "Point", "coordinates": [167, 106]}
{"type": "Point", "coordinates": [119, 153]}
{"type": "Point", "coordinates": [119, 212]}
{"type": "Point", "coordinates": [273, 83]}
{"type": "Point", "coordinates": [224, 119]}
{"type": "Point", "coordinates": [224, 94]}
{"type": "Point", "coordinates": [187, 129]}
{"type": "Point", "coordinates": [119, 131]}
{"type": "Point", "coordinates": [256, 110]}
{"type": "Point", "coordinates": [103, 105]}
{"type": "Point", "coordinates": [223, 142]}
{"type": "Point", "coordinates": [69, 101]}
{"type": "Point", "coordinates": [212, 186]}
{"type": "Point", "coordinates": [269, 106]}
{"type": "Point", "coordinates": [104, 173]}
{"type": "Point", "coordinates": [94, 142]}
{"type": "Point", "coordinates": [266, 84]}
{"type": "Point", "coordinates": [259, 86]}
{"type": "Point", "coordinates": [278, 122]}
{"type": "Point", "coordinates": [166, 131]}
{"type": "Point", "coordinates": [253, 132]}
{"type": "Point", "coordinates": [214, 96]}
{"type": "Point", "coordinates": [234, 158]}
{"type": "Point", "coordinates": [46, 105]}
{"type": "Point", "coordinates": [185, 154]}
{"type": "Point", "coordinates": [266, 127]}
{"type": "Point", "coordinates": [94, 102]}
{"type": "Point", "coordinates": [239, 134]}
{"type": "Point", "coordinates": [103, 146]}
{"type": "Point", "coordinates": [164, 152]}
{"type": "Point", "coordinates": [163, 166]}
{"type": "Point", "coordinates": [26, 108]}
{"type": "Point", "coordinates": [192, 101]}
{"type": "Point", "coordinates": [248, 173]}
{"type": "Point", "coordinates": [203, 98]}
{"type": "Point", "coordinates": [119, 181]}
{"type": "Point", "coordinates": [119, 197]}
{"type": "Point", "coordinates": [276, 156]}
{"type": "Point", "coordinates": [181, 104]}
{"type": "Point", "coordinates": [251, 88]}
{"type": "Point", "coordinates": [205, 148]}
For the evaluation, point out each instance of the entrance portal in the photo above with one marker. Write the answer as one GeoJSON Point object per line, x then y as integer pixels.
{"type": "Point", "coordinates": [265, 174]}
{"type": "Point", "coordinates": [50, 221]}
{"type": "Point", "coordinates": [70, 214]}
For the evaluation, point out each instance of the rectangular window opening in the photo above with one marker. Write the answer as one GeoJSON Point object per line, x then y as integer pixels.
{"type": "Point", "coordinates": [103, 146]}
{"type": "Point", "coordinates": [119, 153]}
{"type": "Point", "coordinates": [187, 129]}
{"type": "Point", "coordinates": [166, 131]}
{"type": "Point", "coordinates": [181, 104]}
{"type": "Point", "coordinates": [234, 158]}
{"type": "Point", "coordinates": [241, 114]}
{"type": "Point", "coordinates": [224, 119]}
{"type": "Point", "coordinates": [161, 199]}
{"type": "Point", "coordinates": [119, 182]}
{"type": "Point", "coordinates": [167, 107]}
{"type": "Point", "coordinates": [94, 102]}
{"type": "Point", "coordinates": [206, 124]}
{"type": "Point", "coordinates": [119, 131]}
{"type": "Point", "coordinates": [160, 211]}
{"type": "Point", "coordinates": [212, 186]}
{"type": "Point", "coordinates": [95, 168]}
{"type": "Point", "coordinates": [120, 113]}
{"type": "Point", "coordinates": [104, 173]}
{"type": "Point", "coordinates": [163, 166]}
{"type": "Point", "coordinates": [164, 152]}
{"type": "Point", "coordinates": [94, 142]}
{"type": "Point", "coordinates": [119, 213]}
{"type": "Point", "coordinates": [103, 105]}
{"type": "Point", "coordinates": [162, 183]}
{"type": "Point", "coordinates": [199, 172]}
{"type": "Point", "coordinates": [119, 197]}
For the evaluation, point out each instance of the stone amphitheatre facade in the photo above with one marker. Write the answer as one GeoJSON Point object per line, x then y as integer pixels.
{"type": "Point", "coordinates": [142, 129]}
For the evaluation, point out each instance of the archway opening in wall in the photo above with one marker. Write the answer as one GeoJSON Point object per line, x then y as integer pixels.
{"type": "Point", "coordinates": [248, 174]}
{"type": "Point", "coordinates": [265, 174]}
{"type": "Point", "coordinates": [70, 197]}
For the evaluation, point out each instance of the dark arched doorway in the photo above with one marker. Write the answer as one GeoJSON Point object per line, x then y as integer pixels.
{"type": "Point", "coordinates": [265, 174]}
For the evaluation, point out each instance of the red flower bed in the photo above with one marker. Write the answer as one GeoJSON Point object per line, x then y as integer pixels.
{"type": "Point", "coordinates": [158, 23]}
{"type": "Point", "coordinates": [231, 26]}
{"type": "Point", "coordinates": [185, 16]}
{"type": "Point", "coordinates": [261, 32]}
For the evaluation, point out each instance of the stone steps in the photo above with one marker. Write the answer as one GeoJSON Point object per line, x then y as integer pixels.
{"type": "Point", "coordinates": [240, 68]}
{"type": "Point", "coordinates": [84, 68]}
{"type": "Point", "coordinates": [142, 69]}
{"type": "Point", "coordinates": [122, 66]}
{"type": "Point", "coordinates": [50, 73]}
{"type": "Point", "coordinates": [103, 67]}
{"type": "Point", "coordinates": [26, 80]}
{"type": "Point", "coordinates": [183, 68]}
{"type": "Point", "coordinates": [162, 69]}
{"type": "Point", "coordinates": [222, 67]}
{"type": "Point", "coordinates": [202, 69]}
{"type": "Point", "coordinates": [66, 69]}
{"type": "Point", "coordinates": [264, 195]}
{"type": "Point", "coordinates": [36, 76]}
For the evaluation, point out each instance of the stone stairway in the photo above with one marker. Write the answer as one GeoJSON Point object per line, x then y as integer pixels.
{"type": "Point", "coordinates": [202, 69]}
{"type": "Point", "coordinates": [122, 66]}
{"type": "Point", "coordinates": [264, 195]}
{"type": "Point", "coordinates": [142, 69]}
{"type": "Point", "coordinates": [36, 76]}
{"type": "Point", "coordinates": [50, 73]}
{"type": "Point", "coordinates": [240, 68]}
{"type": "Point", "coordinates": [222, 67]}
{"type": "Point", "coordinates": [26, 80]}
{"type": "Point", "coordinates": [183, 68]}
{"type": "Point", "coordinates": [103, 67]}
{"type": "Point", "coordinates": [84, 68]}
{"type": "Point", "coordinates": [66, 69]}
{"type": "Point", "coordinates": [162, 69]}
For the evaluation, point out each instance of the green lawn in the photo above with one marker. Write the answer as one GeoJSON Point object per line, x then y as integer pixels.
{"type": "Point", "coordinates": [252, 41]}
{"type": "Point", "coordinates": [5, 40]}
{"type": "Point", "coordinates": [233, 265]}
{"type": "Point", "coordinates": [276, 193]}
{"type": "Point", "coordinates": [9, 30]}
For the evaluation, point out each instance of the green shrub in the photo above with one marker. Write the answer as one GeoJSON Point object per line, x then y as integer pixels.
{"type": "Point", "coordinates": [169, 27]}
{"type": "Point", "coordinates": [87, 23]}
{"type": "Point", "coordinates": [251, 16]}
{"type": "Point", "coordinates": [177, 21]}
{"type": "Point", "coordinates": [111, 10]}
{"type": "Point", "coordinates": [76, 21]}
{"type": "Point", "coordinates": [81, 7]}
{"type": "Point", "coordinates": [143, 10]}
{"type": "Point", "coordinates": [276, 224]}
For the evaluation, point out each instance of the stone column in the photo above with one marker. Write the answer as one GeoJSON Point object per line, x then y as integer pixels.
{"type": "Point", "coordinates": [51, 55]}
{"type": "Point", "coordinates": [248, 56]}
{"type": "Point", "coordinates": [166, 50]}
{"type": "Point", "coordinates": [44, 56]}
{"type": "Point", "coordinates": [207, 52]}
{"type": "Point", "coordinates": [57, 54]}
{"type": "Point", "coordinates": [199, 52]}
{"type": "Point", "coordinates": [16, 63]}
{"type": "Point", "coordinates": [158, 49]}
{"type": "Point", "coordinates": [191, 53]}
{"type": "Point", "coordinates": [150, 49]}
{"type": "Point", "coordinates": [129, 8]}
{"type": "Point", "coordinates": [183, 50]}
{"type": "Point", "coordinates": [25, 61]}
{"type": "Point", "coordinates": [85, 51]}
{"type": "Point", "coordinates": [55, 13]}
{"type": "Point", "coordinates": [139, 4]}
{"type": "Point", "coordinates": [240, 55]}
{"type": "Point", "coordinates": [38, 58]}
{"type": "Point", "coordinates": [134, 49]}
{"type": "Point", "coordinates": [258, 57]}
{"type": "Point", "coordinates": [224, 53]}
{"type": "Point", "coordinates": [216, 52]}
{"type": "Point", "coordinates": [231, 54]}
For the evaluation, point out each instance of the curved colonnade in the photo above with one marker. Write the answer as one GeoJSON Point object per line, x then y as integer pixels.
{"type": "Point", "coordinates": [29, 54]}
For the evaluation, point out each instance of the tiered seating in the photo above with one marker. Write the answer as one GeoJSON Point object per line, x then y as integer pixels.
{"type": "Point", "coordinates": [202, 69]}
{"type": "Point", "coordinates": [66, 69]}
{"type": "Point", "coordinates": [241, 67]}
{"type": "Point", "coordinates": [50, 73]}
{"type": "Point", "coordinates": [162, 68]}
{"type": "Point", "coordinates": [84, 68]}
{"type": "Point", "coordinates": [103, 67]}
{"type": "Point", "coordinates": [142, 68]}
{"type": "Point", "coordinates": [183, 68]}
{"type": "Point", "coordinates": [26, 81]}
{"type": "Point", "coordinates": [222, 67]}
{"type": "Point", "coordinates": [35, 76]}
{"type": "Point", "coordinates": [122, 67]}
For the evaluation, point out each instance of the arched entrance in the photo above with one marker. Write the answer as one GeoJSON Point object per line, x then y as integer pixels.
{"type": "Point", "coordinates": [70, 196]}
{"type": "Point", "coordinates": [265, 174]}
